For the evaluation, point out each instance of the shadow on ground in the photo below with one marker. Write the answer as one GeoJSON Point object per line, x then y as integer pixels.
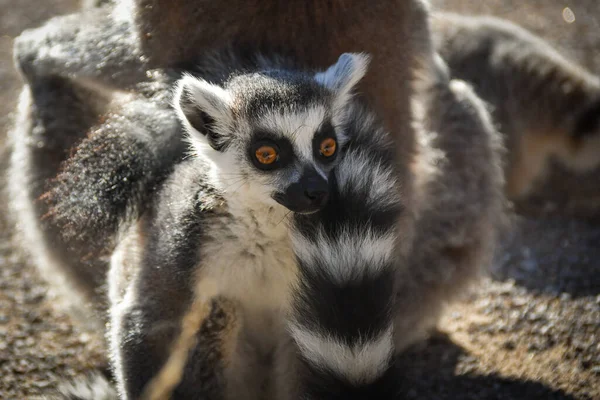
{"type": "Point", "coordinates": [553, 255]}
{"type": "Point", "coordinates": [429, 373]}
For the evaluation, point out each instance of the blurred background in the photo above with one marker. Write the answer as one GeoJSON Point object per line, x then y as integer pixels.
{"type": "Point", "coordinates": [532, 331]}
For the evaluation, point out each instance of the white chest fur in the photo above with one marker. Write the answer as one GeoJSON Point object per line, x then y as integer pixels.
{"type": "Point", "coordinates": [248, 256]}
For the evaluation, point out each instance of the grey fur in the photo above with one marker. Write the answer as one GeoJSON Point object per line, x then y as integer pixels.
{"type": "Point", "coordinates": [95, 387]}
{"type": "Point", "coordinates": [461, 208]}
{"type": "Point", "coordinates": [102, 50]}
{"type": "Point", "coordinates": [86, 4]}
{"type": "Point", "coordinates": [537, 96]}
{"type": "Point", "coordinates": [66, 94]}
{"type": "Point", "coordinates": [449, 185]}
{"type": "Point", "coordinates": [106, 51]}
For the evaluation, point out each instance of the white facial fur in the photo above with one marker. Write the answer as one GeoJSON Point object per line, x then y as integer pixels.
{"type": "Point", "coordinates": [220, 130]}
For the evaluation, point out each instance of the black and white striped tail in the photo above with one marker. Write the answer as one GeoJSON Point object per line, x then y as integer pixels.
{"type": "Point", "coordinates": [342, 312]}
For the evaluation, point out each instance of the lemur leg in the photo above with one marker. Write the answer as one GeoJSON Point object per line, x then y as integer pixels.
{"type": "Point", "coordinates": [169, 341]}
{"type": "Point", "coordinates": [457, 228]}
{"type": "Point", "coordinates": [69, 98]}
{"type": "Point", "coordinates": [169, 332]}
{"type": "Point", "coordinates": [129, 148]}
{"type": "Point", "coordinates": [194, 352]}
{"type": "Point", "coordinates": [181, 358]}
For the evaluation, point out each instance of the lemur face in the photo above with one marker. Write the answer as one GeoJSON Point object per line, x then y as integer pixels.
{"type": "Point", "coordinates": [289, 156]}
{"type": "Point", "coordinates": [272, 136]}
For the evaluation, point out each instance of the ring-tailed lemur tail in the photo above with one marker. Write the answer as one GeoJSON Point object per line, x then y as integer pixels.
{"type": "Point", "coordinates": [546, 105]}
{"type": "Point", "coordinates": [342, 315]}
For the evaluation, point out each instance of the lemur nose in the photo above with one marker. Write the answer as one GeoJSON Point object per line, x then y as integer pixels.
{"type": "Point", "coordinates": [315, 195]}
{"type": "Point", "coordinates": [315, 187]}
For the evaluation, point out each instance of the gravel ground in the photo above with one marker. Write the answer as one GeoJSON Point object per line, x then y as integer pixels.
{"type": "Point", "coordinates": [531, 330]}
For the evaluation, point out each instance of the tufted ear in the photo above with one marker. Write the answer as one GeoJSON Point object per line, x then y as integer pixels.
{"type": "Point", "coordinates": [204, 110]}
{"type": "Point", "coordinates": [343, 76]}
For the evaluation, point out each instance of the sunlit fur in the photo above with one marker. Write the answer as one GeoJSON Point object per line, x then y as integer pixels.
{"type": "Point", "coordinates": [129, 181]}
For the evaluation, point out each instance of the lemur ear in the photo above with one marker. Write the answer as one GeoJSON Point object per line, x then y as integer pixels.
{"type": "Point", "coordinates": [343, 76]}
{"type": "Point", "coordinates": [204, 109]}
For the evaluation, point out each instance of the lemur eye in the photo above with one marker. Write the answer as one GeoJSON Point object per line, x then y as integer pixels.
{"type": "Point", "coordinates": [328, 147]}
{"type": "Point", "coordinates": [266, 155]}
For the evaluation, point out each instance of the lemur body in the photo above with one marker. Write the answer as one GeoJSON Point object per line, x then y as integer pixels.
{"type": "Point", "coordinates": [546, 105]}
{"type": "Point", "coordinates": [266, 144]}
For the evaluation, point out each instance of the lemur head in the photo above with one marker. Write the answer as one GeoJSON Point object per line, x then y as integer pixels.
{"type": "Point", "coordinates": [273, 135]}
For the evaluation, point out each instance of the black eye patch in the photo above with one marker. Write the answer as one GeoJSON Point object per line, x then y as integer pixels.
{"type": "Point", "coordinates": [325, 131]}
{"type": "Point", "coordinates": [266, 145]}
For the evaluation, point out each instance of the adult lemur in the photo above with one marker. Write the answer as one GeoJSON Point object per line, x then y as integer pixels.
{"type": "Point", "coordinates": [120, 179]}
{"type": "Point", "coordinates": [546, 105]}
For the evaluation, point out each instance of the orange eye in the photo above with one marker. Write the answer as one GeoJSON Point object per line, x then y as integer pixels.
{"type": "Point", "coordinates": [328, 147]}
{"type": "Point", "coordinates": [266, 155]}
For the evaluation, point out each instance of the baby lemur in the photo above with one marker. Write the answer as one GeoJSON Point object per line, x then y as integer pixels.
{"type": "Point", "coordinates": [546, 105]}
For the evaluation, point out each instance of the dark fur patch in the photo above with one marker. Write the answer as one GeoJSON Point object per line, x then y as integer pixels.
{"type": "Point", "coordinates": [207, 360]}
{"type": "Point", "coordinates": [588, 122]}
{"type": "Point", "coordinates": [112, 174]}
{"type": "Point", "coordinates": [353, 312]}
{"type": "Point", "coordinates": [275, 90]}
{"type": "Point", "coordinates": [166, 282]}
{"type": "Point", "coordinates": [324, 384]}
